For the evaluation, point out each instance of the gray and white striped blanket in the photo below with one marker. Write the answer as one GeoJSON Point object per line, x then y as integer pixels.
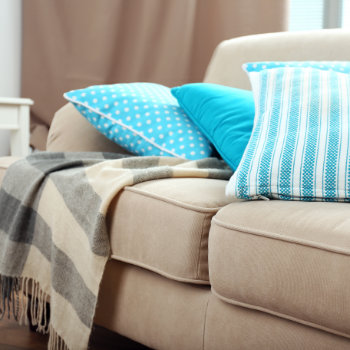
{"type": "Point", "coordinates": [53, 238]}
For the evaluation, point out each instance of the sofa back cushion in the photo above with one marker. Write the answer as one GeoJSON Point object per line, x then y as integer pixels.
{"type": "Point", "coordinates": [225, 66]}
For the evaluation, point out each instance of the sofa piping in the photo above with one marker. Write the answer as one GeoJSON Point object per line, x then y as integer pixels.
{"type": "Point", "coordinates": [279, 237]}
{"type": "Point", "coordinates": [160, 272]}
{"type": "Point", "coordinates": [278, 314]}
{"type": "Point", "coordinates": [173, 201]}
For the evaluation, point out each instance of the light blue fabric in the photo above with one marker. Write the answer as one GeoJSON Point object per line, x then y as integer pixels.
{"type": "Point", "coordinates": [300, 143]}
{"type": "Point", "coordinates": [225, 115]}
{"type": "Point", "coordinates": [144, 118]}
{"type": "Point", "coordinates": [337, 66]}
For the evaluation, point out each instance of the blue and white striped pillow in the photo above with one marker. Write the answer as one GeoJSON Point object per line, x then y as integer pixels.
{"type": "Point", "coordinates": [338, 66]}
{"type": "Point", "coordinates": [300, 144]}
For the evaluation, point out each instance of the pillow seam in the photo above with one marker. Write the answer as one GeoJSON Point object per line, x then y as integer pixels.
{"type": "Point", "coordinates": [209, 137]}
{"type": "Point", "coordinates": [123, 125]}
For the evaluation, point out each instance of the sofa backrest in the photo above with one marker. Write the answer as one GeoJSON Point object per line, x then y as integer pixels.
{"type": "Point", "coordinates": [225, 66]}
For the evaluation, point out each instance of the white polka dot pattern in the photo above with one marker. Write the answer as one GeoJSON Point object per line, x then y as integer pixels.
{"type": "Point", "coordinates": [144, 118]}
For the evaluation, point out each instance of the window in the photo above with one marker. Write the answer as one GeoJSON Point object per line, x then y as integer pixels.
{"type": "Point", "coordinates": [346, 14]}
{"type": "Point", "coordinates": [318, 14]}
{"type": "Point", "coordinates": [305, 15]}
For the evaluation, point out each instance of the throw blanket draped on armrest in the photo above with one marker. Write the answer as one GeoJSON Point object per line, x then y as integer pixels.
{"type": "Point", "coordinates": [53, 238]}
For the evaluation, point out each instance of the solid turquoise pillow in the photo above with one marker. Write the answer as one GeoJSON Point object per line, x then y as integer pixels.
{"type": "Point", "coordinates": [225, 116]}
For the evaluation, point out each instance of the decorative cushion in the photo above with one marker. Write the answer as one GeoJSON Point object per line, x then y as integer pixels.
{"type": "Point", "coordinates": [301, 136]}
{"type": "Point", "coordinates": [143, 118]}
{"type": "Point", "coordinates": [338, 66]}
{"type": "Point", "coordinates": [225, 115]}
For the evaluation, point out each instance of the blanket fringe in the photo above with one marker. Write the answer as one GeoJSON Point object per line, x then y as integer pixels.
{"type": "Point", "coordinates": [9, 297]}
{"type": "Point", "coordinates": [18, 295]}
{"type": "Point", "coordinates": [15, 295]}
{"type": "Point", "coordinates": [55, 341]}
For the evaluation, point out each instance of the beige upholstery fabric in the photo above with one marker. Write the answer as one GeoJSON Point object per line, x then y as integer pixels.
{"type": "Point", "coordinates": [70, 131]}
{"type": "Point", "coordinates": [151, 309]}
{"type": "Point", "coordinates": [145, 228]}
{"type": "Point", "coordinates": [287, 258]}
{"type": "Point", "coordinates": [230, 327]}
{"type": "Point", "coordinates": [163, 225]}
{"type": "Point", "coordinates": [5, 162]}
{"type": "Point", "coordinates": [225, 65]}
{"type": "Point", "coordinates": [164, 314]}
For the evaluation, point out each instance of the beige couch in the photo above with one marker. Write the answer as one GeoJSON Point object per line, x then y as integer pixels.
{"type": "Point", "coordinates": [190, 270]}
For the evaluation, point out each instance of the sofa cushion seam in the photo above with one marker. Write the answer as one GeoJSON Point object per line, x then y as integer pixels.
{"type": "Point", "coordinates": [159, 271]}
{"type": "Point", "coordinates": [278, 237]}
{"type": "Point", "coordinates": [200, 245]}
{"type": "Point", "coordinates": [205, 322]}
{"type": "Point", "coordinates": [173, 201]}
{"type": "Point", "coordinates": [277, 314]}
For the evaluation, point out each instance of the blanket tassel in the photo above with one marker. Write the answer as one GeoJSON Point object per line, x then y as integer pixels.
{"type": "Point", "coordinates": [18, 295]}
{"type": "Point", "coordinates": [9, 297]}
{"type": "Point", "coordinates": [55, 341]}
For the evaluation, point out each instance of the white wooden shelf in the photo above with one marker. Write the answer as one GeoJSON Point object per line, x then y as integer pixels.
{"type": "Point", "coordinates": [14, 116]}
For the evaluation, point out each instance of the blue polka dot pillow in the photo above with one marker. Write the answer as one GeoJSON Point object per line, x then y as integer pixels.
{"type": "Point", "coordinates": [300, 144]}
{"type": "Point", "coordinates": [144, 118]}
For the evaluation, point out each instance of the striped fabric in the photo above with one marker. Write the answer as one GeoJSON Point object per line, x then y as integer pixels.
{"type": "Point", "coordinates": [338, 66]}
{"type": "Point", "coordinates": [300, 144]}
{"type": "Point", "coordinates": [53, 237]}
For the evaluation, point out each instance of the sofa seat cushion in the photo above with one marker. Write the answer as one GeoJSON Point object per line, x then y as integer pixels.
{"type": "Point", "coordinates": [163, 226]}
{"type": "Point", "coordinates": [290, 259]}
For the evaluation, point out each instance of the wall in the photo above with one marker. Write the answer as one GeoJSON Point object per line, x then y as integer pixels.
{"type": "Point", "coordinates": [10, 57]}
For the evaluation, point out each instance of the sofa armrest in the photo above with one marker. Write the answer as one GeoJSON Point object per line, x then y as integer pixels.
{"type": "Point", "coordinates": [71, 132]}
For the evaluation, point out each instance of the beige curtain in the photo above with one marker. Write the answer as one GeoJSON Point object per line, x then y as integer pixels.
{"type": "Point", "coordinates": [69, 44]}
